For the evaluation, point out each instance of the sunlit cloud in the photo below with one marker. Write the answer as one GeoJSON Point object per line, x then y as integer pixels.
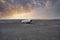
{"type": "Point", "coordinates": [3, 1]}
{"type": "Point", "coordinates": [18, 9]}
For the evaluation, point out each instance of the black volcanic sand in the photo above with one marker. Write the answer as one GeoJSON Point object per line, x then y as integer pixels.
{"type": "Point", "coordinates": [38, 30]}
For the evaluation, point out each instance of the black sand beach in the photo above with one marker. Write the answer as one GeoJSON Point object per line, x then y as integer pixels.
{"type": "Point", "coordinates": [38, 30]}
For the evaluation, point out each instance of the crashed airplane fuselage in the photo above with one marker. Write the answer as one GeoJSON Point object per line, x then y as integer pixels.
{"type": "Point", "coordinates": [26, 21]}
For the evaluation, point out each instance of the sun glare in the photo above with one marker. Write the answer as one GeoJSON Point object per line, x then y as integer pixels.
{"type": "Point", "coordinates": [21, 16]}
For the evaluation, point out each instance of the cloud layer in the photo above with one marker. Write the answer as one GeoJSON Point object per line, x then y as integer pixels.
{"type": "Point", "coordinates": [40, 8]}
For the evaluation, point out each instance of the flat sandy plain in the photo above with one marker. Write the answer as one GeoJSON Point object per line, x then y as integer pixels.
{"type": "Point", "coordinates": [38, 30]}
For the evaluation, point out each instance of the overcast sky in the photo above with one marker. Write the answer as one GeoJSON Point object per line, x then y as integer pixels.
{"type": "Point", "coordinates": [29, 9]}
